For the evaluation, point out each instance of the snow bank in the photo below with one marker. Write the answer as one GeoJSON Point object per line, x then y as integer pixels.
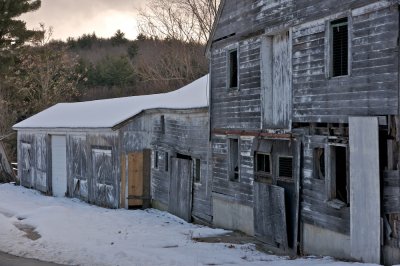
{"type": "Point", "coordinates": [73, 232]}
{"type": "Point", "coordinates": [109, 113]}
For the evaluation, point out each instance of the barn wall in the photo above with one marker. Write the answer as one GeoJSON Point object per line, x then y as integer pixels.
{"type": "Point", "coordinates": [33, 160]}
{"type": "Point", "coordinates": [95, 180]}
{"type": "Point", "coordinates": [185, 133]}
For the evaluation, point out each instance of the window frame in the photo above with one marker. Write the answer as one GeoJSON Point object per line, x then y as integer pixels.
{"type": "Point", "coordinates": [229, 52]}
{"type": "Point", "coordinates": [260, 173]}
{"type": "Point", "coordinates": [330, 176]}
{"type": "Point", "coordinates": [329, 46]}
{"type": "Point", "coordinates": [231, 171]}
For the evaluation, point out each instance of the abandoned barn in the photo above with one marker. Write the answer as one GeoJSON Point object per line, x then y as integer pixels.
{"type": "Point", "coordinates": [304, 118]}
{"type": "Point", "coordinates": [121, 152]}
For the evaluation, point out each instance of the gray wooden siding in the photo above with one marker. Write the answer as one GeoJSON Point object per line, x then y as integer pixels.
{"type": "Point", "coordinates": [185, 133]}
{"type": "Point", "coordinates": [241, 107]}
{"type": "Point", "coordinates": [372, 86]}
{"type": "Point", "coordinates": [370, 89]}
{"type": "Point", "coordinates": [315, 208]}
{"type": "Point", "coordinates": [237, 191]}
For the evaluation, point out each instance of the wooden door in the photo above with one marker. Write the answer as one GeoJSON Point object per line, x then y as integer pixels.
{"type": "Point", "coordinates": [270, 215]}
{"type": "Point", "coordinates": [180, 190]}
{"type": "Point", "coordinates": [135, 181]}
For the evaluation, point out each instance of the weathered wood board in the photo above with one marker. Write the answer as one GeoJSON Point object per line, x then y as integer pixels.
{"type": "Point", "coordinates": [269, 214]}
{"type": "Point", "coordinates": [180, 191]}
{"type": "Point", "coordinates": [365, 222]}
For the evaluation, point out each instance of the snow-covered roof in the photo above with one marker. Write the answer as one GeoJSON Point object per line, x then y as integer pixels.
{"type": "Point", "coordinates": [111, 112]}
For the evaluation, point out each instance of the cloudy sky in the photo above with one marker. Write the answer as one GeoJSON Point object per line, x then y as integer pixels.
{"type": "Point", "coordinates": [72, 18]}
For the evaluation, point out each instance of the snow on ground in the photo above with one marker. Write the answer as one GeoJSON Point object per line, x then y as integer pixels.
{"type": "Point", "coordinates": [73, 232]}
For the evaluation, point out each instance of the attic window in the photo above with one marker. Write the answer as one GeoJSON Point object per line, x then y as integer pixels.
{"type": "Point", "coordinates": [340, 47]}
{"type": "Point", "coordinates": [233, 69]}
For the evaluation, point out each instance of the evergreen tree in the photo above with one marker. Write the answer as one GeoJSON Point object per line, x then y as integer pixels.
{"type": "Point", "coordinates": [13, 32]}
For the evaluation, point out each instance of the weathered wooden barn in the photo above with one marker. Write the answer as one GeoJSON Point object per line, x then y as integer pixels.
{"type": "Point", "coordinates": [121, 152]}
{"type": "Point", "coordinates": [304, 117]}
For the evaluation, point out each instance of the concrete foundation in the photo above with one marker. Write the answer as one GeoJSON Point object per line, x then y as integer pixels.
{"type": "Point", "coordinates": [233, 216]}
{"type": "Point", "coordinates": [322, 242]}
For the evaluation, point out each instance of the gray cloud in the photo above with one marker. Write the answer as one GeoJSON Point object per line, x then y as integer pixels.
{"type": "Point", "coordinates": [75, 17]}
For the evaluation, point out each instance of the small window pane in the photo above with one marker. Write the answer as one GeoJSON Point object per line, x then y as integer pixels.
{"type": "Point", "coordinates": [234, 159]}
{"type": "Point", "coordinates": [263, 163]}
{"type": "Point", "coordinates": [166, 162]}
{"type": "Point", "coordinates": [197, 170]}
{"type": "Point", "coordinates": [156, 159]}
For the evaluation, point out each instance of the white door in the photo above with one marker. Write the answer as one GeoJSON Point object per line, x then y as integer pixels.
{"type": "Point", "coordinates": [59, 165]}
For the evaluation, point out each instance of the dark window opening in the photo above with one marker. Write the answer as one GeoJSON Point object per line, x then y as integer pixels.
{"type": "Point", "coordinates": [263, 163]}
{"type": "Point", "coordinates": [319, 163]}
{"type": "Point", "coordinates": [340, 47]}
{"type": "Point", "coordinates": [341, 174]}
{"type": "Point", "coordinates": [162, 124]}
{"type": "Point", "coordinates": [234, 159]}
{"type": "Point", "coordinates": [166, 159]}
{"type": "Point", "coordinates": [197, 170]}
{"type": "Point", "coordinates": [233, 69]}
{"type": "Point", "coordinates": [183, 156]}
{"type": "Point", "coordinates": [286, 167]}
{"type": "Point", "coordinates": [156, 159]}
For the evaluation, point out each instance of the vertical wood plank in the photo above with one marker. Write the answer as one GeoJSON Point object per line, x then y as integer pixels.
{"type": "Point", "coordinates": [365, 222]}
{"type": "Point", "coordinates": [123, 181]}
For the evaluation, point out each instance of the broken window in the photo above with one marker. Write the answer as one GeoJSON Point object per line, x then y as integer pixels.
{"type": "Point", "coordinates": [319, 163]}
{"type": "Point", "coordinates": [155, 164]}
{"type": "Point", "coordinates": [340, 47]}
{"type": "Point", "coordinates": [263, 164]}
{"type": "Point", "coordinates": [197, 170]}
{"type": "Point", "coordinates": [166, 166]}
{"type": "Point", "coordinates": [338, 183]}
{"type": "Point", "coordinates": [233, 69]}
{"type": "Point", "coordinates": [286, 167]}
{"type": "Point", "coordinates": [234, 159]}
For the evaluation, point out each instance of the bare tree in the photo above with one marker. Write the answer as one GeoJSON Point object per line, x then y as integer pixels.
{"type": "Point", "coordinates": [185, 20]}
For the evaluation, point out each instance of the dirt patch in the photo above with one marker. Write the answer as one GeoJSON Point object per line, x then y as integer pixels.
{"type": "Point", "coordinates": [29, 231]}
{"type": "Point", "coordinates": [238, 238]}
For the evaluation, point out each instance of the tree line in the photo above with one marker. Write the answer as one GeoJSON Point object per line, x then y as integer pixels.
{"type": "Point", "coordinates": [37, 72]}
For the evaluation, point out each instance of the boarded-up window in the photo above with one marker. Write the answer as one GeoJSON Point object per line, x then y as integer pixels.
{"type": "Point", "coordinates": [286, 167]}
{"type": "Point", "coordinates": [41, 152]}
{"type": "Point", "coordinates": [233, 69]}
{"type": "Point", "coordinates": [234, 159]}
{"type": "Point", "coordinates": [340, 47]}
{"type": "Point", "coordinates": [79, 157]}
{"type": "Point", "coordinates": [102, 166]}
{"type": "Point", "coordinates": [197, 170]}
{"type": "Point", "coordinates": [263, 164]}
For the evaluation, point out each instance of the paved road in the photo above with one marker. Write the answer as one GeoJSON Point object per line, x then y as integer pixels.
{"type": "Point", "coordinates": [9, 260]}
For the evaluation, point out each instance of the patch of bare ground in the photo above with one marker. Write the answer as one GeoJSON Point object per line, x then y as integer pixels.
{"type": "Point", "coordinates": [30, 231]}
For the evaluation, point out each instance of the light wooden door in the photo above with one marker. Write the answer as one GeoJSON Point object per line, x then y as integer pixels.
{"type": "Point", "coordinates": [134, 179]}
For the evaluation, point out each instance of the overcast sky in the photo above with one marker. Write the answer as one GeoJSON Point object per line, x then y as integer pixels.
{"type": "Point", "coordinates": [72, 18]}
